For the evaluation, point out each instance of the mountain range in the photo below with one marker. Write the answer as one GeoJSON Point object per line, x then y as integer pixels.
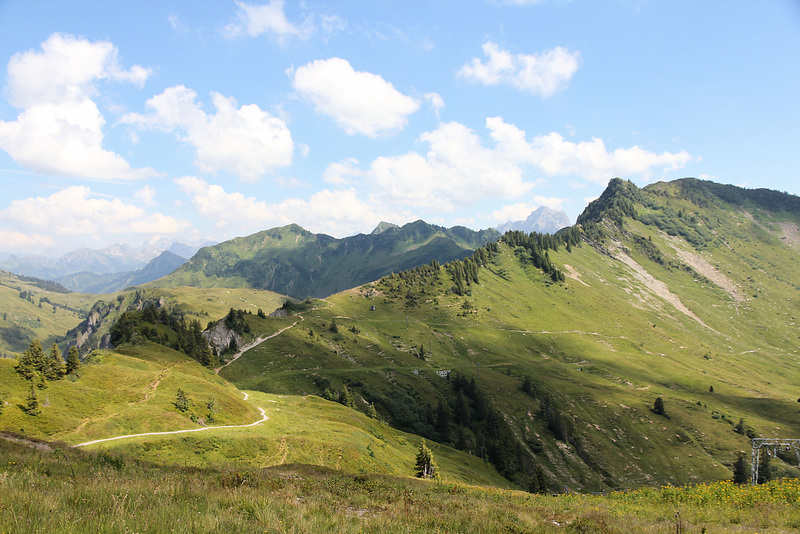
{"type": "Point", "coordinates": [117, 258]}
{"type": "Point", "coordinates": [293, 261]}
{"type": "Point", "coordinates": [645, 345]}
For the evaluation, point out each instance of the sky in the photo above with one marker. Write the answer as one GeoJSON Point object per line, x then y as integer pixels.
{"type": "Point", "coordinates": [127, 122]}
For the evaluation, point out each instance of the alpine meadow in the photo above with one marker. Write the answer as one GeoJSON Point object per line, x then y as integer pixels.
{"type": "Point", "coordinates": [634, 354]}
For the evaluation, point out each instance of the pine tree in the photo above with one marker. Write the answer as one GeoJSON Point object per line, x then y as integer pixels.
{"type": "Point", "coordinates": [346, 398]}
{"type": "Point", "coordinates": [55, 368]}
{"type": "Point", "coordinates": [182, 402]}
{"type": "Point", "coordinates": [33, 361]}
{"type": "Point", "coordinates": [372, 413]}
{"type": "Point", "coordinates": [765, 473]}
{"type": "Point", "coordinates": [741, 470]}
{"type": "Point", "coordinates": [425, 466]}
{"type": "Point", "coordinates": [73, 360]}
{"type": "Point", "coordinates": [32, 404]}
{"type": "Point", "coordinates": [538, 481]}
{"type": "Point", "coordinates": [658, 406]}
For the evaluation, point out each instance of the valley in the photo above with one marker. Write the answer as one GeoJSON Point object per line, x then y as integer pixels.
{"type": "Point", "coordinates": [535, 362]}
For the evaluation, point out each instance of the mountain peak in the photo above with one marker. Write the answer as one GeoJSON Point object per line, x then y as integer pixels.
{"type": "Point", "coordinates": [382, 227]}
{"type": "Point", "coordinates": [542, 220]}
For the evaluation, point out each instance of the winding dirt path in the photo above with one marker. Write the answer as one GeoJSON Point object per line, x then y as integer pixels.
{"type": "Point", "coordinates": [256, 342]}
{"type": "Point", "coordinates": [264, 417]}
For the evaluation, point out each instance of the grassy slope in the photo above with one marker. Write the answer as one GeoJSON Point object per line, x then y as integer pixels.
{"type": "Point", "coordinates": [296, 262]}
{"type": "Point", "coordinates": [127, 391]}
{"type": "Point", "coordinates": [306, 430]}
{"type": "Point", "coordinates": [22, 320]}
{"type": "Point", "coordinates": [604, 344]}
{"type": "Point", "coordinates": [85, 492]}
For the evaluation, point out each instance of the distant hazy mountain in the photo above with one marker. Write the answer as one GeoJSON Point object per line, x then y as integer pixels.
{"type": "Point", "coordinates": [542, 220]}
{"type": "Point", "coordinates": [115, 259]}
{"type": "Point", "coordinates": [85, 282]}
{"type": "Point", "coordinates": [296, 262]}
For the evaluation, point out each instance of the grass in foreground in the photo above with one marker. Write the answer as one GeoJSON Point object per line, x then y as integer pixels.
{"type": "Point", "coordinates": [65, 490]}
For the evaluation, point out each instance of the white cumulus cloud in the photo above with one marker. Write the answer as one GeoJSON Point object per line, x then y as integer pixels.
{"type": "Point", "coordinates": [246, 141]}
{"type": "Point", "coordinates": [458, 170]}
{"type": "Point", "coordinates": [255, 20]}
{"type": "Point", "coordinates": [75, 212]}
{"type": "Point", "coordinates": [359, 102]}
{"type": "Point", "coordinates": [338, 213]}
{"type": "Point", "coordinates": [60, 128]}
{"type": "Point", "coordinates": [590, 160]}
{"type": "Point", "coordinates": [541, 74]}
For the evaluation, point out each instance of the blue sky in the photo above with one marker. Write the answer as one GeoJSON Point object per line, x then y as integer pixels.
{"type": "Point", "coordinates": [207, 120]}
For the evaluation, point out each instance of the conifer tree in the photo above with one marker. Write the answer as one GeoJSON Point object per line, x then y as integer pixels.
{"type": "Point", "coordinates": [73, 360]}
{"type": "Point", "coordinates": [658, 406]}
{"type": "Point", "coordinates": [346, 398]}
{"type": "Point", "coordinates": [33, 361]}
{"type": "Point", "coordinates": [372, 413]}
{"type": "Point", "coordinates": [55, 368]}
{"type": "Point", "coordinates": [425, 466]}
{"type": "Point", "coordinates": [32, 404]}
{"type": "Point", "coordinates": [182, 402]}
{"type": "Point", "coordinates": [765, 473]}
{"type": "Point", "coordinates": [741, 470]}
{"type": "Point", "coordinates": [538, 481]}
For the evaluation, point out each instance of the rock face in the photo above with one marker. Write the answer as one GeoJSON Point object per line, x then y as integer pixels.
{"type": "Point", "coordinates": [219, 337]}
{"type": "Point", "coordinates": [542, 220]}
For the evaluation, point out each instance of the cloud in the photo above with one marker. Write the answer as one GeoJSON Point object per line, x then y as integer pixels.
{"type": "Point", "coordinates": [19, 241]}
{"type": "Point", "coordinates": [74, 212]}
{"type": "Point", "coordinates": [590, 160]}
{"type": "Point", "coordinates": [342, 172]}
{"type": "Point", "coordinates": [436, 101]}
{"type": "Point", "coordinates": [245, 141]}
{"type": "Point", "coordinates": [145, 195]}
{"type": "Point", "coordinates": [60, 128]}
{"type": "Point", "coordinates": [359, 102]}
{"type": "Point", "coordinates": [459, 169]}
{"type": "Point", "coordinates": [255, 20]}
{"type": "Point", "coordinates": [540, 74]}
{"type": "Point", "coordinates": [337, 213]}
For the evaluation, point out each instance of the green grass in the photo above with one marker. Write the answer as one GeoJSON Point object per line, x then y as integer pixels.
{"type": "Point", "coordinates": [604, 347]}
{"type": "Point", "coordinates": [126, 391]}
{"type": "Point", "coordinates": [22, 320]}
{"type": "Point", "coordinates": [68, 490]}
{"type": "Point", "coordinates": [305, 430]}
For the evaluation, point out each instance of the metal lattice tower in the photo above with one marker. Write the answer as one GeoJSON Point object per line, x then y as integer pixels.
{"type": "Point", "coordinates": [771, 447]}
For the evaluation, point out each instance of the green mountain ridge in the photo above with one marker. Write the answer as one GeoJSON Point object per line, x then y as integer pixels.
{"type": "Point", "coordinates": [686, 291]}
{"type": "Point", "coordinates": [293, 261]}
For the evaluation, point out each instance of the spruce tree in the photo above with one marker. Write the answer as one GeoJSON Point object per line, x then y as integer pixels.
{"type": "Point", "coordinates": [73, 360]}
{"type": "Point", "coordinates": [346, 398]}
{"type": "Point", "coordinates": [765, 473]}
{"type": "Point", "coordinates": [32, 404]}
{"type": "Point", "coordinates": [55, 368]}
{"type": "Point", "coordinates": [33, 361]}
{"type": "Point", "coordinates": [425, 466]}
{"type": "Point", "coordinates": [741, 470]}
{"type": "Point", "coordinates": [658, 406]}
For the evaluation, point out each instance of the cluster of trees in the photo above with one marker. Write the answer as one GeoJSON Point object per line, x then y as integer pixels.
{"type": "Point", "coordinates": [533, 249]}
{"type": "Point", "coordinates": [35, 365]}
{"type": "Point", "coordinates": [463, 417]}
{"type": "Point", "coordinates": [187, 406]}
{"type": "Point", "coordinates": [39, 367]}
{"type": "Point", "coordinates": [170, 329]}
